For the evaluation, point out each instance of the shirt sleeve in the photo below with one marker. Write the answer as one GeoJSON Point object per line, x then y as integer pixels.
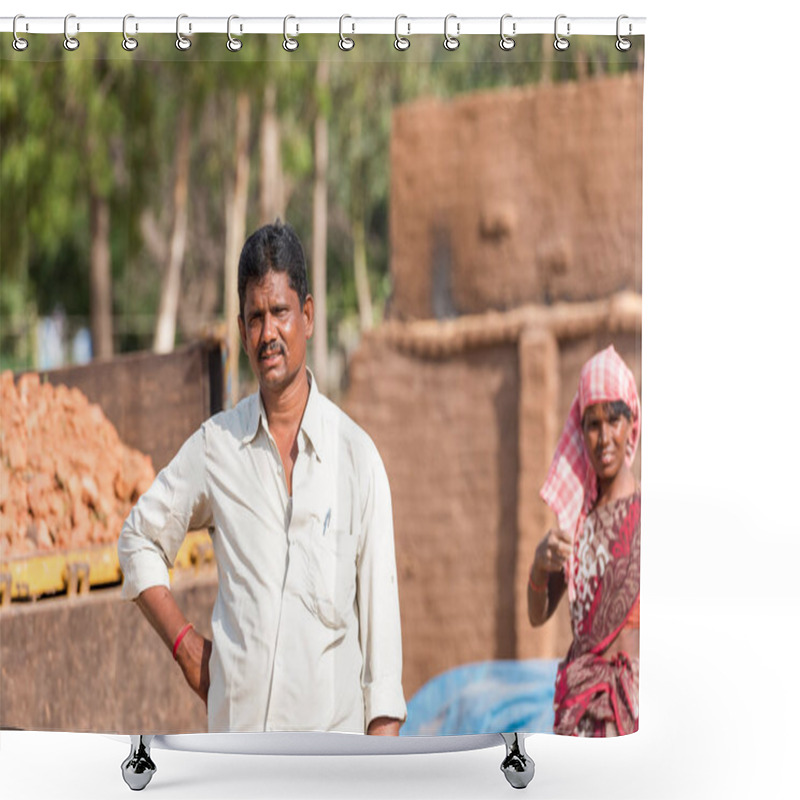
{"type": "Point", "coordinates": [378, 602]}
{"type": "Point", "coordinates": [152, 534]}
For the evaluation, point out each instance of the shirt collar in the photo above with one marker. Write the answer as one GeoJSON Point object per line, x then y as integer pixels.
{"type": "Point", "coordinates": [310, 425]}
{"type": "Point", "coordinates": [252, 414]}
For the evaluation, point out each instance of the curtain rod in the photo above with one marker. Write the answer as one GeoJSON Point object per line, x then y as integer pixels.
{"type": "Point", "coordinates": [453, 26]}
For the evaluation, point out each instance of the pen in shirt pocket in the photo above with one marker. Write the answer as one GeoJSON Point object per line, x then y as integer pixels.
{"type": "Point", "coordinates": [327, 522]}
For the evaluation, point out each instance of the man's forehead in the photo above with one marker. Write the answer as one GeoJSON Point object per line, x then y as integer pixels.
{"type": "Point", "coordinates": [272, 279]}
{"type": "Point", "coordinates": [273, 284]}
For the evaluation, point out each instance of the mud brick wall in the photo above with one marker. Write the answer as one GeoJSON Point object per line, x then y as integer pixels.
{"type": "Point", "coordinates": [528, 195]}
{"type": "Point", "coordinates": [94, 664]}
{"type": "Point", "coordinates": [451, 458]}
{"type": "Point", "coordinates": [551, 370]}
{"type": "Point", "coordinates": [154, 401]}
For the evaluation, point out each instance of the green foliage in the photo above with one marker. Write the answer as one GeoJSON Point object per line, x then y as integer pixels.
{"type": "Point", "coordinates": [103, 121]}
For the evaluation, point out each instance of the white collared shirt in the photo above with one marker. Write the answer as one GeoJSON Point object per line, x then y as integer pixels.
{"type": "Point", "coordinates": [306, 625]}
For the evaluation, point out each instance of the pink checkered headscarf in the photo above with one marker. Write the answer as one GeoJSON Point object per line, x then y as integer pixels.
{"type": "Point", "coordinates": [571, 486]}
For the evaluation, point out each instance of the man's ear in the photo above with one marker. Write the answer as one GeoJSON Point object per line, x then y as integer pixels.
{"type": "Point", "coordinates": [242, 335]}
{"type": "Point", "coordinates": [308, 314]}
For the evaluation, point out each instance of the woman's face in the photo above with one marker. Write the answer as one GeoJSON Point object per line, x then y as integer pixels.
{"type": "Point", "coordinates": [605, 434]}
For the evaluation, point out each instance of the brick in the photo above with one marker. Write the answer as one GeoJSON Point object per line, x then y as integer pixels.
{"type": "Point", "coordinates": [62, 462]}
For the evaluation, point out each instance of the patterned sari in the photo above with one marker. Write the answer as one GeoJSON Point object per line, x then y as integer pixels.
{"type": "Point", "coordinates": [603, 580]}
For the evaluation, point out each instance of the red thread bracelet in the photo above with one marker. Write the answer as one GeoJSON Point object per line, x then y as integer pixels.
{"type": "Point", "coordinates": [536, 586]}
{"type": "Point", "coordinates": [179, 639]}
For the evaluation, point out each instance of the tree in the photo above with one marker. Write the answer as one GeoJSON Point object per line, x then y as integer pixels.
{"type": "Point", "coordinates": [124, 202]}
{"type": "Point", "coordinates": [66, 138]}
{"type": "Point", "coordinates": [236, 205]}
{"type": "Point", "coordinates": [164, 341]}
{"type": "Point", "coordinates": [319, 234]}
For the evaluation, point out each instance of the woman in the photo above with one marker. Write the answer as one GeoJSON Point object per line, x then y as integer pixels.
{"type": "Point", "coordinates": [594, 553]}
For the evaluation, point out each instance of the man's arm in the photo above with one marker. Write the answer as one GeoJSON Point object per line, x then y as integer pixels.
{"type": "Point", "coordinates": [379, 607]}
{"type": "Point", "coordinates": [149, 542]}
{"type": "Point", "coordinates": [162, 612]}
{"type": "Point", "coordinates": [384, 726]}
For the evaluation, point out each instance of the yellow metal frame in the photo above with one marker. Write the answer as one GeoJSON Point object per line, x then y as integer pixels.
{"type": "Point", "coordinates": [77, 571]}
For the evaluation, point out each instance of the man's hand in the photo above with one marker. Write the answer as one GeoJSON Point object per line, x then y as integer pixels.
{"type": "Point", "coordinates": [162, 612]}
{"type": "Point", "coordinates": [384, 726]}
{"type": "Point", "coordinates": [193, 654]}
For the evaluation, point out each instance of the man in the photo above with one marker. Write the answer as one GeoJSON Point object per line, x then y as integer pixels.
{"type": "Point", "coordinates": [306, 625]}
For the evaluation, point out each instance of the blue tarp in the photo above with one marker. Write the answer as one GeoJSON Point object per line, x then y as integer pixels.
{"type": "Point", "coordinates": [488, 697]}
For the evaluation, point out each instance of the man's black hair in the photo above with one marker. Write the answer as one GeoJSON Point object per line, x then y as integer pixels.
{"type": "Point", "coordinates": [273, 248]}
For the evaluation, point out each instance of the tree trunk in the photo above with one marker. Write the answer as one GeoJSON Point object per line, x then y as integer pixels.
{"type": "Point", "coordinates": [546, 55]}
{"type": "Point", "coordinates": [271, 202]}
{"type": "Point", "coordinates": [319, 245]}
{"type": "Point", "coordinates": [582, 67]}
{"type": "Point", "coordinates": [234, 240]}
{"type": "Point", "coordinates": [358, 233]}
{"type": "Point", "coordinates": [100, 292]}
{"type": "Point", "coordinates": [164, 340]}
{"type": "Point", "coordinates": [360, 268]}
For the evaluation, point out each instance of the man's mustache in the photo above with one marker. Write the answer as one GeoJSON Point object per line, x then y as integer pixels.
{"type": "Point", "coordinates": [270, 348]}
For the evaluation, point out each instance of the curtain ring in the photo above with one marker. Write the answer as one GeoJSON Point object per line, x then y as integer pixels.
{"type": "Point", "coordinates": [401, 42]}
{"type": "Point", "coordinates": [451, 42]}
{"type": "Point", "coordinates": [560, 43]}
{"type": "Point", "coordinates": [622, 44]}
{"type": "Point", "coordinates": [345, 42]}
{"type": "Point", "coordinates": [70, 42]}
{"type": "Point", "coordinates": [290, 44]}
{"type": "Point", "coordinates": [128, 42]}
{"type": "Point", "coordinates": [18, 44]}
{"type": "Point", "coordinates": [181, 42]}
{"type": "Point", "coordinates": [507, 42]}
{"type": "Point", "coordinates": [234, 44]}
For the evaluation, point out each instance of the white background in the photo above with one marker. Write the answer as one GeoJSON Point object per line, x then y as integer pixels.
{"type": "Point", "coordinates": [720, 603]}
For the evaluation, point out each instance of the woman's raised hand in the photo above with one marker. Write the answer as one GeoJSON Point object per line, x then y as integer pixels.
{"type": "Point", "coordinates": [553, 551]}
{"type": "Point", "coordinates": [544, 593]}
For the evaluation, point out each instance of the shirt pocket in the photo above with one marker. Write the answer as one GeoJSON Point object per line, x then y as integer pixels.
{"type": "Point", "coordinates": [330, 574]}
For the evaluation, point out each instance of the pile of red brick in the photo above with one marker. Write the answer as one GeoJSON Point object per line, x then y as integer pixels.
{"type": "Point", "coordinates": [66, 479]}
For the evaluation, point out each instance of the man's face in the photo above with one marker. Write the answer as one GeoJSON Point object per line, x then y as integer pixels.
{"type": "Point", "coordinates": [274, 331]}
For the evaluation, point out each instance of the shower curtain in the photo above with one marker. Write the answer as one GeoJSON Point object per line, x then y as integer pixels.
{"type": "Point", "coordinates": [471, 220]}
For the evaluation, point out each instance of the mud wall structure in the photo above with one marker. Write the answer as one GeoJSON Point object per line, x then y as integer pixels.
{"type": "Point", "coordinates": [93, 663]}
{"type": "Point", "coordinates": [154, 401]}
{"type": "Point", "coordinates": [516, 255]}
{"type": "Point", "coordinates": [528, 195]}
{"type": "Point", "coordinates": [86, 660]}
{"type": "Point", "coordinates": [466, 415]}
